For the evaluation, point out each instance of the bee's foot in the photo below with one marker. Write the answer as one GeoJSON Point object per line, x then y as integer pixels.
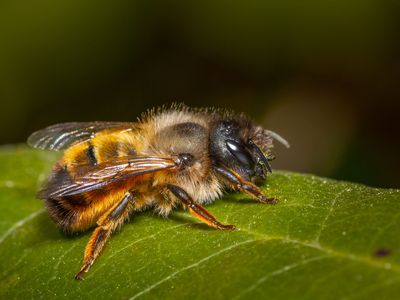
{"type": "Point", "coordinates": [226, 227]}
{"type": "Point", "coordinates": [85, 268]}
{"type": "Point", "coordinates": [271, 201]}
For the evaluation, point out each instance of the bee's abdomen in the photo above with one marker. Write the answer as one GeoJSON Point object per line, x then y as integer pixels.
{"type": "Point", "coordinates": [63, 210]}
{"type": "Point", "coordinates": [103, 148]}
{"type": "Point", "coordinates": [76, 212]}
{"type": "Point", "coordinates": [91, 155]}
{"type": "Point", "coordinates": [114, 145]}
{"type": "Point", "coordinates": [62, 215]}
{"type": "Point", "coordinates": [80, 211]}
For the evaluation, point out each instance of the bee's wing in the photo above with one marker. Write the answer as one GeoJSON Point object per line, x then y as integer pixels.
{"type": "Point", "coordinates": [89, 178]}
{"type": "Point", "coordinates": [60, 136]}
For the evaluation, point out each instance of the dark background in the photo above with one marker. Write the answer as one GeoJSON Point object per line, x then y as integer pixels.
{"type": "Point", "coordinates": [324, 74]}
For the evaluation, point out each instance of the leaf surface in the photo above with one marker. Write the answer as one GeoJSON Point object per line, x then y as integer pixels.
{"type": "Point", "coordinates": [324, 240]}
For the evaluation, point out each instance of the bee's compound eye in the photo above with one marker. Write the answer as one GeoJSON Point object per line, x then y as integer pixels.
{"type": "Point", "coordinates": [185, 159]}
{"type": "Point", "coordinates": [240, 152]}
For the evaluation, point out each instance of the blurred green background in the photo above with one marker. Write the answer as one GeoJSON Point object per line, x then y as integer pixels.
{"type": "Point", "coordinates": [324, 74]}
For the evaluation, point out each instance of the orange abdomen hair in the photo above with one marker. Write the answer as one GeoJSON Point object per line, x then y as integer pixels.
{"type": "Point", "coordinates": [80, 212]}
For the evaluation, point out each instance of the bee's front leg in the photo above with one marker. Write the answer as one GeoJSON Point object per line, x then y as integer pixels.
{"type": "Point", "coordinates": [197, 210]}
{"type": "Point", "coordinates": [245, 186]}
{"type": "Point", "coordinates": [107, 224]}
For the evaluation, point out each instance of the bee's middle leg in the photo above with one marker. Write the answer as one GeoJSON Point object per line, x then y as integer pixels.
{"type": "Point", "coordinates": [196, 209]}
{"type": "Point", "coordinates": [107, 224]}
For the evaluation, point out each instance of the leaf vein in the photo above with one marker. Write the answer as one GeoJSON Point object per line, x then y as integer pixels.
{"type": "Point", "coordinates": [148, 289]}
{"type": "Point", "coordinates": [278, 272]}
{"type": "Point", "coordinates": [21, 223]}
{"type": "Point", "coordinates": [330, 211]}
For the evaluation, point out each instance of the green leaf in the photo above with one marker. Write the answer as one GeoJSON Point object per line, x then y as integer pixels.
{"type": "Point", "coordinates": [324, 240]}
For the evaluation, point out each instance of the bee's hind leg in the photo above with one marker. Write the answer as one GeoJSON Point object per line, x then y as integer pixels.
{"type": "Point", "coordinates": [245, 186]}
{"type": "Point", "coordinates": [107, 224]}
{"type": "Point", "coordinates": [197, 210]}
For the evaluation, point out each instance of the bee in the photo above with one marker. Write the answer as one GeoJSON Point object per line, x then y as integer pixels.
{"type": "Point", "coordinates": [170, 157]}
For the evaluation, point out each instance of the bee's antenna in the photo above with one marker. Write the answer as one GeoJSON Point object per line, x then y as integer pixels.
{"type": "Point", "coordinates": [278, 138]}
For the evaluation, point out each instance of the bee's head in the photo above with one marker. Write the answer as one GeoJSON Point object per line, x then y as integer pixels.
{"type": "Point", "coordinates": [232, 144]}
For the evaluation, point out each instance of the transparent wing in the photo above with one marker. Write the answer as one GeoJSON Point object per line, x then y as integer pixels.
{"type": "Point", "coordinates": [89, 178]}
{"type": "Point", "coordinates": [61, 136]}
